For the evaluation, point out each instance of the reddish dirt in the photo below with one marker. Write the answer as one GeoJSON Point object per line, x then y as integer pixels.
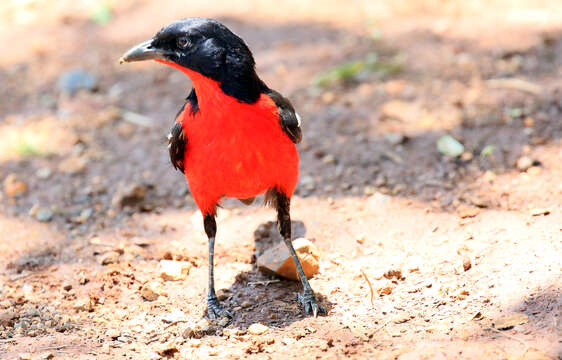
{"type": "Point", "coordinates": [421, 256]}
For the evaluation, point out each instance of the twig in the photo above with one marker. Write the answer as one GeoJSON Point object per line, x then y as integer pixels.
{"type": "Point", "coordinates": [55, 347]}
{"type": "Point", "coordinates": [265, 282]}
{"type": "Point", "coordinates": [370, 286]}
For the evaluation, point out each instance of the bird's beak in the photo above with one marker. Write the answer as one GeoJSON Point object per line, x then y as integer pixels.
{"type": "Point", "coordinates": [144, 51]}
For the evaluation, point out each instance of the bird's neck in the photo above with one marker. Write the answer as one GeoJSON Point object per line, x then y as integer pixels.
{"type": "Point", "coordinates": [213, 95]}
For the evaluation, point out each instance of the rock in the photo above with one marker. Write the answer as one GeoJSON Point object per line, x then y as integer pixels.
{"type": "Point", "coordinates": [13, 186]}
{"type": "Point", "coordinates": [223, 294]}
{"type": "Point", "coordinates": [43, 173]}
{"type": "Point", "coordinates": [509, 321]}
{"type": "Point", "coordinates": [449, 146]}
{"type": "Point", "coordinates": [84, 304]}
{"type": "Point", "coordinates": [24, 356]}
{"type": "Point", "coordinates": [524, 163]}
{"type": "Point", "coordinates": [385, 289]}
{"type": "Point", "coordinates": [44, 214]}
{"type": "Point", "coordinates": [539, 212]}
{"type": "Point", "coordinates": [308, 182]}
{"type": "Point", "coordinates": [171, 270]}
{"type": "Point", "coordinates": [129, 195]}
{"type": "Point", "coordinates": [394, 273]}
{"type": "Point", "coordinates": [113, 333]}
{"type": "Point", "coordinates": [329, 159]}
{"type": "Point", "coordinates": [175, 316]}
{"type": "Point", "coordinates": [466, 263]}
{"type": "Point", "coordinates": [278, 260]}
{"type": "Point", "coordinates": [468, 212]}
{"type": "Point", "coordinates": [74, 80]}
{"type": "Point", "coordinates": [395, 138]}
{"type": "Point", "coordinates": [67, 286]}
{"type": "Point", "coordinates": [110, 257]}
{"type": "Point", "coordinates": [467, 156]}
{"type": "Point", "coordinates": [73, 165]}
{"type": "Point", "coordinates": [361, 238]}
{"type": "Point", "coordinates": [84, 216]}
{"type": "Point", "coordinates": [401, 318]}
{"type": "Point", "coordinates": [150, 292]}
{"type": "Point", "coordinates": [7, 317]}
{"type": "Point", "coordinates": [246, 304]}
{"type": "Point", "coordinates": [257, 329]}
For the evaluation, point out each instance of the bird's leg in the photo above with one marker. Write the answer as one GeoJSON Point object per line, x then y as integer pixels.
{"type": "Point", "coordinates": [307, 298]}
{"type": "Point", "coordinates": [214, 308]}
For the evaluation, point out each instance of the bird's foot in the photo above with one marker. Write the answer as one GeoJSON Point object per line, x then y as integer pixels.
{"type": "Point", "coordinates": [215, 310]}
{"type": "Point", "coordinates": [311, 306]}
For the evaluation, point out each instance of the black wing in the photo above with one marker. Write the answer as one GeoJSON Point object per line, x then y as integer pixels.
{"type": "Point", "coordinates": [288, 118]}
{"type": "Point", "coordinates": [176, 145]}
{"type": "Point", "coordinates": [177, 139]}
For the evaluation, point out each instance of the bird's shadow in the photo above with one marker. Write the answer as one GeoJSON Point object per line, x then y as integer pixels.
{"type": "Point", "coordinates": [255, 297]}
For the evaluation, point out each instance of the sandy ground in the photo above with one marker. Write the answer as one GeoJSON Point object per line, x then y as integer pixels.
{"type": "Point", "coordinates": [421, 255]}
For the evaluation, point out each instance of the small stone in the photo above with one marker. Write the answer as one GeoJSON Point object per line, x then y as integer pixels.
{"type": "Point", "coordinates": [329, 159]}
{"type": "Point", "coordinates": [7, 317]}
{"type": "Point", "coordinates": [278, 260]}
{"type": "Point", "coordinates": [43, 173]}
{"type": "Point", "coordinates": [84, 216]}
{"type": "Point", "coordinates": [24, 356]}
{"type": "Point", "coordinates": [509, 321]}
{"type": "Point", "coordinates": [223, 294]}
{"type": "Point", "coordinates": [73, 165]}
{"type": "Point", "coordinates": [395, 138]}
{"type": "Point", "coordinates": [401, 318]}
{"type": "Point", "coordinates": [195, 343]}
{"type": "Point", "coordinates": [67, 286]}
{"type": "Point", "coordinates": [13, 186]}
{"type": "Point", "coordinates": [539, 212]}
{"type": "Point", "coordinates": [246, 304]}
{"type": "Point", "coordinates": [113, 333]}
{"type": "Point", "coordinates": [466, 263]}
{"type": "Point", "coordinates": [149, 291]}
{"type": "Point", "coordinates": [46, 356]}
{"type": "Point", "coordinates": [129, 195]}
{"type": "Point", "coordinates": [224, 321]}
{"type": "Point", "coordinates": [385, 290]}
{"type": "Point", "coordinates": [84, 304]}
{"type": "Point", "coordinates": [449, 146]}
{"type": "Point", "coordinates": [308, 182]}
{"type": "Point", "coordinates": [524, 163]}
{"type": "Point", "coordinates": [257, 329]}
{"type": "Point", "coordinates": [33, 211]}
{"type": "Point", "coordinates": [393, 273]}
{"type": "Point", "coordinates": [361, 238]}
{"type": "Point", "coordinates": [202, 325]}
{"type": "Point", "coordinates": [468, 212]}
{"type": "Point", "coordinates": [44, 215]}
{"type": "Point", "coordinates": [110, 257]}
{"type": "Point", "coordinates": [74, 80]}
{"type": "Point", "coordinates": [466, 156]}
{"type": "Point", "coordinates": [175, 317]}
{"type": "Point", "coordinates": [171, 270]}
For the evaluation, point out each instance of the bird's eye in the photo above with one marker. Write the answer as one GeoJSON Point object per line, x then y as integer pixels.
{"type": "Point", "coordinates": [183, 42]}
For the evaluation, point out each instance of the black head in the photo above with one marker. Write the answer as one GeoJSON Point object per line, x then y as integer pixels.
{"type": "Point", "coordinates": [209, 48]}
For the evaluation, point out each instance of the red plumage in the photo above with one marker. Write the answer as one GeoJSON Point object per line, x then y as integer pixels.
{"type": "Point", "coordinates": [234, 149]}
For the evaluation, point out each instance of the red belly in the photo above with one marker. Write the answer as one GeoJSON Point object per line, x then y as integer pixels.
{"type": "Point", "coordinates": [237, 150]}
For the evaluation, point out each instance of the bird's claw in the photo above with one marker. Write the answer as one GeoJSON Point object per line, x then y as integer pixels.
{"type": "Point", "coordinates": [311, 306]}
{"type": "Point", "coordinates": [215, 310]}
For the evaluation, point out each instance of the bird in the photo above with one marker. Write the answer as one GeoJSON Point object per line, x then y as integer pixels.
{"type": "Point", "coordinates": [234, 136]}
